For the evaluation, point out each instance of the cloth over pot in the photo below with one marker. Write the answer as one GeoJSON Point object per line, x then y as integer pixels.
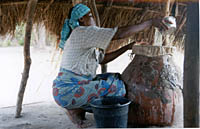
{"type": "Point", "coordinates": [154, 86]}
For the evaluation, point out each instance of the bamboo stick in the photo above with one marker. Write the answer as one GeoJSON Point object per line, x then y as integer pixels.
{"type": "Point", "coordinates": [27, 59]}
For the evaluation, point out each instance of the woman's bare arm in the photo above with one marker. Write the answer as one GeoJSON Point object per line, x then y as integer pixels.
{"type": "Point", "coordinates": [113, 55]}
{"type": "Point", "coordinates": [127, 31]}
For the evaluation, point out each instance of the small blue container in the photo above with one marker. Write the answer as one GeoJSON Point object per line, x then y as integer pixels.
{"type": "Point", "coordinates": [111, 112]}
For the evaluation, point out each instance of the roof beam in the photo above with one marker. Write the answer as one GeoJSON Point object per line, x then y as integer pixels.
{"type": "Point", "coordinates": [128, 8]}
{"type": "Point", "coordinates": [39, 2]}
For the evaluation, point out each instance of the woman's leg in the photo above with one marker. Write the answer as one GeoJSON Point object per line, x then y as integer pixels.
{"type": "Point", "coordinates": [82, 90]}
{"type": "Point", "coordinates": [109, 84]}
{"type": "Point", "coordinates": [69, 93]}
{"type": "Point", "coordinates": [77, 116]}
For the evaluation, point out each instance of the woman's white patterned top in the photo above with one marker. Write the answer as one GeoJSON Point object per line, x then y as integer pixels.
{"type": "Point", "coordinates": [82, 50]}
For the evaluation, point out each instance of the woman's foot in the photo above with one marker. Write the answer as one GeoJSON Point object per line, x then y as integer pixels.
{"type": "Point", "coordinates": [84, 124]}
{"type": "Point", "coordinates": [77, 116]}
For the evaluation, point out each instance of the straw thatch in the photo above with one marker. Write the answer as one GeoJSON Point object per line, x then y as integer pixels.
{"type": "Point", "coordinates": [52, 14]}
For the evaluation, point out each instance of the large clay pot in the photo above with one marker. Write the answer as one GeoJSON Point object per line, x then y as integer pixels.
{"type": "Point", "coordinates": [154, 85]}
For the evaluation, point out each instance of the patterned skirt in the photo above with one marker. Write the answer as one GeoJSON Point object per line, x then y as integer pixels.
{"type": "Point", "coordinates": [71, 90]}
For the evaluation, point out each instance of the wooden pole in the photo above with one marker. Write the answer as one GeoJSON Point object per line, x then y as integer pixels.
{"type": "Point", "coordinates": [167, 8]}
{"type": "Point", "coordinates": [166, 12]}
{"type": "Point", "coordinates": [27, 60]}
{"type": "Point", "coordinates": [176, 10]}
{"type": "Point", "coordinates": [191, 67]}
{"type": "Point", "coordinates": [95, 11]}
{"type": "Point", "coordinates": [104, 68]}
{"type": "Point", "coordinates": [96, 15]}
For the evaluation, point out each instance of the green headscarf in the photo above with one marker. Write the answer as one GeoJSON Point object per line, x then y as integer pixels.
{"type": "Point", "coordinates": [78, 11]}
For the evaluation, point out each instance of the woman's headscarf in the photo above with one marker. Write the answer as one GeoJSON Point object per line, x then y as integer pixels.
{"type": "Point", "coordinates": [78, 11]}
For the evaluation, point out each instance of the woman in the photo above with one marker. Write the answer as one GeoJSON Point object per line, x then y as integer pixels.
{"type": "Point", "coordinates": [77, 83]}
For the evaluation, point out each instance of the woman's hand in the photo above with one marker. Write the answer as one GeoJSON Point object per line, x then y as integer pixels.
{"type": "Point", "coordinates": [130, 45]}
{"type": "Point", "coordinates": [143, 43]}
{"type": "Point", "coordinates": [160, 23]}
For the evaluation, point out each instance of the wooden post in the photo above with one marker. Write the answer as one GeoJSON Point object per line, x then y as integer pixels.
{"type": "Point", "coordinates": [96, 15]}
{"type": "Point", "coordinates": [27, 60]}
{"type": "Point", "coordinates": [167, 8]}
{"type": "Point", "coordinates": [176, 10]}
{"type": "Point", "coordinates": [166, 12]}
{"type": "Point", "coordinates": [191, 67]}
{"type": "Point", "coordinates": [104, 68]}
{"type": "Point", "coordinates": [95, 11]}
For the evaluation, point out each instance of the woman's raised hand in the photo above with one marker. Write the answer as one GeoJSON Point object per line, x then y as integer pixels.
{"type": "Point", "coordinates": [130, 45]}
{"type": "Point", "coordinates": [160, 23]}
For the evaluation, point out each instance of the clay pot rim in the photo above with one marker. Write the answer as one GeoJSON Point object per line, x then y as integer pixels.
{"type": "Point", "coordinates": [153, 51]}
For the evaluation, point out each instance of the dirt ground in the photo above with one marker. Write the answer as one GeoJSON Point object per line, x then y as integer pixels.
{"type": "Point", "coordinates": [39, 110]}
{"type": "Point", "coordinates": [41, 115]}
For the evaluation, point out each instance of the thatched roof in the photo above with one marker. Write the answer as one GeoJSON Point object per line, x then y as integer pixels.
{"type": "Point", "coordinates": [52, 14]}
